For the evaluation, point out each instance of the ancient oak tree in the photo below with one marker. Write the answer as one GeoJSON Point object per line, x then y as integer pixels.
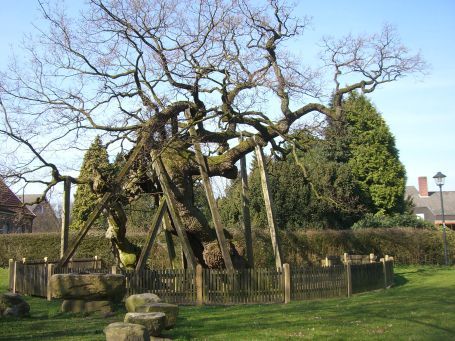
{"type": "Point", "coordinates": [128, 70]}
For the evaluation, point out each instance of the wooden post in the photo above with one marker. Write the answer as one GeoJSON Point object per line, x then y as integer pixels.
{"type": "Point", "coordinates": [269, 208]}
{"type": "Point", "coordinates": [349, 278]}
{"type": "Point", "coordinates": [372, 257]}
{"type": "Point", "coordinates": [15, 277]}
{"type": "Point", "coordinates": [199, 285]}
{"type": "Point", "coordinates": [10, 274]}
{"type": "Point", "coordinates": [50, 272]}
{"type": "Point", "coordinates": [345, 258]}
{"type": "Point", "coordinates": [114, 269]}
{"type": "Point", "coordinates": [287, 283]}
{"type": "Point", "coordinates": [203, 169]}
{"type": "Point", "coordinates": [65, 216]}
{"type": "Point", "coordinates": [246, 218]}
{"type": "Point", "coordinates": [384, 269]}
{"type": "Point", "coordinates": [173, 210]}
{"type": "Point", "coordinates": [69, 252]}
{"type": "Point", "coordinates": [156, 222]}
{"type": "Point", "coordinates": [169, 241]}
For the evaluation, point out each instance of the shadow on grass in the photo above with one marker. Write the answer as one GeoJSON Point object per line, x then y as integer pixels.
{"type": "Point", "coordinates": [399, 280]}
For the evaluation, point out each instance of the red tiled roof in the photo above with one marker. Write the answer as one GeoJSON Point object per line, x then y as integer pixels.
{"type": "Point", "coordinates": [8, 198]}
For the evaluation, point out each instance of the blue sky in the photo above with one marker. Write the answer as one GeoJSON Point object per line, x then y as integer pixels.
{"type": "Point", "coordinates": [419, 110]}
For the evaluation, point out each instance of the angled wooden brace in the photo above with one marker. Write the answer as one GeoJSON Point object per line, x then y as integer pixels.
{"type": "Point", "coordinates": [246, 219]}
{"type": "Point", "coordinates": [269, 208]}
{"type": "Point", "coordinates": [172, 206]}
{"type": "Point", "coordinates": [203, 169]}
{"type": "Point", "coordinates": [156, 222]}
{"type": "Point", "coordinates": [69, 252]}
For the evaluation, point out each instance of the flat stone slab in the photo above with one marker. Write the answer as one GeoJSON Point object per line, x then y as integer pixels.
{"type": "Point", "coordinates": [82, 306]}
{"type": "Point", "coordinates": [13, 305]}
{"type": "Point", "coordinates": [153, 322]}
{"type": "Point", "coordinates": [137, 300]}
{"type": "Point", "coordinates": [120, 331]}
{"type": "Point", "coordinates": [89, 287]}
{"type": "Point", "coordinates": [171, 311]}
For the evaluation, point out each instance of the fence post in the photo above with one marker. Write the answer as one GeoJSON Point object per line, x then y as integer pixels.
{"type": "Point", "coordinates": [11, 273]}
{"type": "Point", "coordinates": [287, 282]}
{"type": "Point", "coordinates": [114, 270]}
{"type": "Point", "coordinates": [372, 257]}
{"type": "Point", "coordinates": [15, 277]}
{"type": "Point", "coordinates": [50, 271]}
{"type": "Point", "coordinates": [384, 269]}
{"type": "Point", "coordinates": [349, 278]}
{"type": "Point", "coordinates": [345, 258]}
{"type": "Point", "coordinates": [199, 285]}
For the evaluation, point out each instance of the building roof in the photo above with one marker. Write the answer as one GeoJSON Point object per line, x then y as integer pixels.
{"type": "Point", "coordinates": [29, 198]}
{"type": "Point", "coordinates": [433, 200]}
{"type": "Point", "coordinates": [10, 200]}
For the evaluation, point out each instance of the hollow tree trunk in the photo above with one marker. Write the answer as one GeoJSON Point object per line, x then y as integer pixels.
{"type": "Point", "coordinates": [202, 237]}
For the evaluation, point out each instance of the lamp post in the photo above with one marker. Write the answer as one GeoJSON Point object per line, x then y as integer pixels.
{"type": "Point", "coordinates": [439, 178]}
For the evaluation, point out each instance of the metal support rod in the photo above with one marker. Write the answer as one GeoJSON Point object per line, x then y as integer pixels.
{"type": "Point", "coordinates": [444, 237]}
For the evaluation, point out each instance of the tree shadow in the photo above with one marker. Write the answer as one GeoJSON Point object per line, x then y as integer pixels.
{"type": "Point", "coordinates": [399, 280]}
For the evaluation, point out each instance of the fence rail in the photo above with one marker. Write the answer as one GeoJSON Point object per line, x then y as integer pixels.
{"type": "Point", "coordinates": [209, 286]}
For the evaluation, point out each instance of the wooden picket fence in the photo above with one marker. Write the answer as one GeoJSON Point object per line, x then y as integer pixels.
{"type": "Point", "coordinates": [318, 282]}
{"type": "Point", "coordinates": [210, 286]}
{"type": "Point", "coordinates": [172, 285]}
{"type": "Point", "coordinates": [30, 277]}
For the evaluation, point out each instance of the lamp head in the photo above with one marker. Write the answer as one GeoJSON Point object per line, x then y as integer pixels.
{"type": "Point", "coordinates": [439, 178]}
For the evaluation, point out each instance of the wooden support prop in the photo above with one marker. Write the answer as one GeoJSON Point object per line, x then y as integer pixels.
{"type": "Point", "coordinates": [169, 241]}
{"type": "Point", "coordinates": [203, 169]}
{"type": "Point", "coordinates": [269, 208]}
{"type": "Point", "coordinates": [173, 210]}
{"type": "Point", "coordinates": [156, 222]}
{"type": "Point", "coordinates": [65, 216]}
{"type": "Point", "coordinates": [246, 219]}
{"type": "Point", "coordinates": [100, 206]}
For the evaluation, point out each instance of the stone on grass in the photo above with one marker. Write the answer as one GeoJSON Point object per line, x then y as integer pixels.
{"type": "Point", "coordinates": [153, 322]}
{"type": "Point", "coordinates": [134, 301]}
{"type": "Point", "coordinates": [88, 286]}
{"type": "Point", "coordinates": [83, 306]}
{"type": "Point", "coordinates": [171, 311]}
{"type": "Point", "coordinates": [13, 305]}
{"type": "Point", "coordinates": [120, 331]}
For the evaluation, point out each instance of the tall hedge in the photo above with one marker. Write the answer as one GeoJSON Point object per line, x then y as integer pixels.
{"type": "Point", "coordinates": [301, 247]}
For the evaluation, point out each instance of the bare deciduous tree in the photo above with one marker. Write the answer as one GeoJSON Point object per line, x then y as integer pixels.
{"type": "Point", "coordinates": [126, 68]}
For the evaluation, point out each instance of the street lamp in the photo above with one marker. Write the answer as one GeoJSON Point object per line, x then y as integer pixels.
{"type": "Point", "coordinates": [439, 178]}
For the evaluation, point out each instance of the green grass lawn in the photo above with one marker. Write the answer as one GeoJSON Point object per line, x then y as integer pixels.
{"type": "Point", "coordinates": [420, 307]}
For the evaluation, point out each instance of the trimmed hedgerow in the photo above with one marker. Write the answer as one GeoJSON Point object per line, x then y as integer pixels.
{"type": "Point", "coordinates": [300, 247]}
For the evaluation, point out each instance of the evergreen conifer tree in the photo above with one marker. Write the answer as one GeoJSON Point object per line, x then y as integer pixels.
{"type": "Point", "coordinates": [95, 161]}
{"type": "Point", "coordinates": [374, 159]}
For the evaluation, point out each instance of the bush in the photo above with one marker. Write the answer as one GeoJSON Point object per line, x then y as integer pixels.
{"type": "Point", "coordinates": [40, 245]}
{"type": "Point", "coordinates": [300, 247]}
{"type": "Point", "coordinates": [396, 220]}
